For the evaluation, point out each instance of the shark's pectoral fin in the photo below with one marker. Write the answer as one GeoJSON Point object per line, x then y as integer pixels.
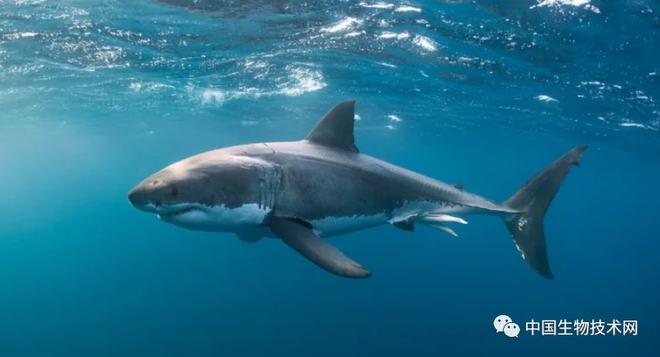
{"type": "Point", "coordinates": [301, 238]}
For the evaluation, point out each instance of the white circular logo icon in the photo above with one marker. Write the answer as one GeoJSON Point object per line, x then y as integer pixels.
{"type": "Point", "coordinates": [512, 329]}
{"type": "Point", "coordinates": [500, 322]}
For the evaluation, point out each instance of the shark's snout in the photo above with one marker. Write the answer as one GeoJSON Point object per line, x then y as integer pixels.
{"type": "Point", "coordinates": [142, 199]}
{"type": "Point", "coordinates": [152, 193]}
{"type": "Point", "coordinates": [136, 197]}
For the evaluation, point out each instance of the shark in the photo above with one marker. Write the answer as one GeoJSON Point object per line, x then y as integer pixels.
{"type": "Point", "coordinates": [305, 191]}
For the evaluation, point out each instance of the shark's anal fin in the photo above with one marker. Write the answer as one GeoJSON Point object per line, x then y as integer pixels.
{"type": "Point", "coordinates": [301, 238]}
{"type": "Point", "coordinates": [335, 129]}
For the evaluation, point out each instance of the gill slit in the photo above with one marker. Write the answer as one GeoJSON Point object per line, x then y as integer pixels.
{"type": "Point", "coordinates": [268, 185]}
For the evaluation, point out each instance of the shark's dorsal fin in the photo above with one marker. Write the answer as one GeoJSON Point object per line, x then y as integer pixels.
{"type": "Point", "coordinates": [335, 129]}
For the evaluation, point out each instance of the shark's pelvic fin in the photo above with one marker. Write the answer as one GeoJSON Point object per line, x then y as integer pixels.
{"type": "Point", "coordinates": [407, 224]}
{"type": "Point", "coordinates": [335, 129]}
{"type": "Point", "coordinates": [301, 238]}
{"type": "Point", "coordinates": [533, 200]}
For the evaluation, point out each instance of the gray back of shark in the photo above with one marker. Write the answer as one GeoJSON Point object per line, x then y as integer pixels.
{"type": "Point", "coordinates": [321, 186]}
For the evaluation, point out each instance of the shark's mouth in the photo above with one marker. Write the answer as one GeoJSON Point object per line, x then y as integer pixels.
{"type": "Point", "coordinates": [172, 212]}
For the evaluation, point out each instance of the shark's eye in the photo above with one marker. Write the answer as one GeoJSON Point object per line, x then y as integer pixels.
{"type": "Point", "coordinates": [175, 192]}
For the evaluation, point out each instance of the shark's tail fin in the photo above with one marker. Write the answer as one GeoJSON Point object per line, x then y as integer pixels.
{"type": "Point", "coordinates": [533, 200]}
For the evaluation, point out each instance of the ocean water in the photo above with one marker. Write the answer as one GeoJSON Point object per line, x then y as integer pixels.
{"type": "Point", "coordinates": [96, 95]}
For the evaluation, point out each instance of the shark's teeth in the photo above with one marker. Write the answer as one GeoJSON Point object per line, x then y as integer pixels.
{"type": "Point", "coordinates": [444, 218]}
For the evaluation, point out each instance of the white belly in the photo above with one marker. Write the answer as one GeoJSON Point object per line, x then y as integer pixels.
{"type": "Point", "coordinates": [330, 226]}
{"type": "Point", "coordinates": [221, 218]}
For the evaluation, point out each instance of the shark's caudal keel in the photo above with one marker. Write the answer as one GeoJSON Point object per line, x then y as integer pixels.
{"type": "Point", "coordinates": [321, 186]}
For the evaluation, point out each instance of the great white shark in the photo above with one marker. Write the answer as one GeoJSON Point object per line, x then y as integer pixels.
{"type": "Point", "coordinates": [304, 191]}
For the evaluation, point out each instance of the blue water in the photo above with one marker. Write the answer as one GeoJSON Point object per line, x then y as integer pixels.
{"type": "Point", "coordinates": [96, 95]}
